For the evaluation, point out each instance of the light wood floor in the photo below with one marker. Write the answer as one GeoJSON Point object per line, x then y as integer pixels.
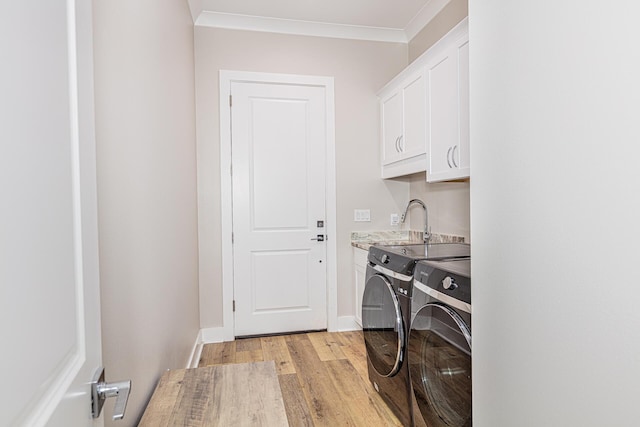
{"type": "Point", "coordinates": [323, 376]}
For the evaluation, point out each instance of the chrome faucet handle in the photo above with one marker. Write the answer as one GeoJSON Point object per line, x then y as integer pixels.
{"type": "Point", "coordinates": [426, 235]}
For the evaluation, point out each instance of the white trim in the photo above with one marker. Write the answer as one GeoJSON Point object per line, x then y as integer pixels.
{"type": "Point", "coordinates": [306, 28]}
{"type": "Point", "coordinates": [226, 196]}
{"type": "Point", "coordinates": [204, 336]}
{"type": "Point", "coordinates": [196, 8]}
{"type": "Point", "coordinates": [422, 18]}
{"type": "Point", "coordinates": [348, 323]}
{"type": "Point", "coordinates": [233, 21]}
{"type": "Point", "coordinates": [332, 210]}
{"type": "Point", "coordinates": [196, 351]}
{"type": "Point", "coordinates": [226, 211]}
{"type": "Point", "coordinates": [213, 335]}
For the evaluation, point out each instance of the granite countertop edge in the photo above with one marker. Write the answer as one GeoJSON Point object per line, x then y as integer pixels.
{"type": "Point", "coordinates": [365, 239]}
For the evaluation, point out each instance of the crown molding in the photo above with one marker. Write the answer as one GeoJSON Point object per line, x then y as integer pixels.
{"type": "Point", "coordinates": [422, 18]}
{"type": "Point", "coordinates": [196, 8]}
{"type": "Point", "coordinates": [306, 28]}
{"type": "Point", "coordinates": [205, 18]}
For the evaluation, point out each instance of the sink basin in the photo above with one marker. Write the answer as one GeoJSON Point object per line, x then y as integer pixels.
{"type": "Point", "coordinates": [430, 250]}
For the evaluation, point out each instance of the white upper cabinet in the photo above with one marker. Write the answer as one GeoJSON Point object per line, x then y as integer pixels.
{"type": "Point", "coordinates": [403, 106]}
{"type": "Point", "coordinates": [448, 142]}
{"type": "Point", "coordinates": [424, 113]}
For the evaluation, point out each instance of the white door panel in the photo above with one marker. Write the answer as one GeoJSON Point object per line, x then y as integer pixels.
{"type": "Point", "coordinates": [49, 298]}
{"type": "Point", "coordinates": [278, 156]}
{"type": "Point", "coordinates": [276, 164]}
{"type": "Point", "coordinates": [266, 294]}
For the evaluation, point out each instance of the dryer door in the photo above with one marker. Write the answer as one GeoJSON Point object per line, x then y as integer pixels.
{"type": "Point", "coordinates": [440, 366]}
{"type": "Point", "coordinates": [382, 326]}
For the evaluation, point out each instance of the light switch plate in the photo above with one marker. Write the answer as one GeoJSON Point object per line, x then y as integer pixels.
{"type": "Point", "coordinates": [395, 219]}
{"type": "Point", "coordinates": [362, 215]}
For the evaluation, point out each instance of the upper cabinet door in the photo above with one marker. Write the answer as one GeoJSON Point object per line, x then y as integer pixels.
{"type": "Point", "coordinates": [413, 142]}
{"type": "Point", "coordinates": [392, 126]}
{"type": "Point", "coordinates": [448, 145]}
{"type": "Point", "coordinates": [403, 105]}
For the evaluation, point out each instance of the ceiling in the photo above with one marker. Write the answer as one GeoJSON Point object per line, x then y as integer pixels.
{"type": "Point", "coordinates": [378, 20]}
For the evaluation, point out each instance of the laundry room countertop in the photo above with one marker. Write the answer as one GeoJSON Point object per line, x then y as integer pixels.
{"type": "Point", "coordinates": [364, 239]}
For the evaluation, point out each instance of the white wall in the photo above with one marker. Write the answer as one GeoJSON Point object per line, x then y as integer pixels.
{"type": "Point", "coordinates": [145, 126]}
{"type": "Point", "coordinates": [360, 69]}
{"type": "Point", "coordinates": [555, 208]}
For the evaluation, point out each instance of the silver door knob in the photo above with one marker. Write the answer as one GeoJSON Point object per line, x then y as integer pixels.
{"type": "Point", "coordinates": [101, 390]}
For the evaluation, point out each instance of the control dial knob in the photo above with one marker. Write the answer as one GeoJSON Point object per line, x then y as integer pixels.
{"type": "Point", "coordinates": [385, 259]}
{"type": "Point", "coordinates": [449, 283]}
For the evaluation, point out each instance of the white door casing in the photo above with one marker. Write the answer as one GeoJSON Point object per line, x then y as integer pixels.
{"type": "Point", "coordinates": [270, 236]}
{"type": "Point", "coordinates": [49, 298]}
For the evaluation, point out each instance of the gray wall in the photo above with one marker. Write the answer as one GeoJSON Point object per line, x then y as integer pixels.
{"type": "Point", "coordinates": [360, 69]}
{"type": "Point", "coordinates": [448, 202]}
{"type": "Point", "coordinates": [454, 12]}
{"type": "Point", "coordinates": [146, 159]}
{"type": "Point", "coordinates": [555, 208]}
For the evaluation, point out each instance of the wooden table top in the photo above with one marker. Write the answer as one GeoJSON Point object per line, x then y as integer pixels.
{"type": "Point", "coordinates": [246, 394]}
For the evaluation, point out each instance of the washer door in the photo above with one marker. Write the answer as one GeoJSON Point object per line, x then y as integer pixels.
{"type": "Point", "coordinates": [382, 326]}
{"type": "Point", "coordinates": [440, 366]}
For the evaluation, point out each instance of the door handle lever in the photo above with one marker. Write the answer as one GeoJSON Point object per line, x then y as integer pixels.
{"type": "Point", "coordinates": [101, 390]}
{"type": "Point", "coordinates": [319, 238]}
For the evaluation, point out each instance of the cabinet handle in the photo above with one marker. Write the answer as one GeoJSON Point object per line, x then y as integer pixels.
{"type": "Point", "coordinates": [397, 146]}
{"type": "Point", "coordinates": [453, 156]}
{"type": "Point", "coordinates": [449, 157]}
{"type": "Point", "coordinates": [401, 143]}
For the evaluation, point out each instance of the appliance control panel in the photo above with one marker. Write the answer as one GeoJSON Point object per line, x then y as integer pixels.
{"type": "Point", "coordinates": [449, 283]}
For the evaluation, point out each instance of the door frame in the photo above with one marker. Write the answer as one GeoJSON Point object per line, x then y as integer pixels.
{"type": "Point", "coordinates": [226, 191]}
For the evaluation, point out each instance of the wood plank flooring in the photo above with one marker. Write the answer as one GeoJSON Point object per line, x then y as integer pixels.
{"type": "Point", "coordinates": [323, 376]}
{"type": "Point", "coordinates": [244, 394]}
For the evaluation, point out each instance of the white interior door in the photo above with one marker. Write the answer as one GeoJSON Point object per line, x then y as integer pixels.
{"type": "Point", "coordinates": [279, 137]}
{"type": "Point", "coordinates": [49, 293]}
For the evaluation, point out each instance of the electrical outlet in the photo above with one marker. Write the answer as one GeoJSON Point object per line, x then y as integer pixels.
{"type": "Point", "coordinates": [395, 219]}
{"type": "Point", "coordinates": [362, 215]}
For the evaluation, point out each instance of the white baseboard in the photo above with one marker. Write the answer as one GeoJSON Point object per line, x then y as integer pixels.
{"type": "Point", "coordinates": [205, 336]}
{"type": "Point", "coordinates": [195, 352]}
{"type": "Point", "coordinates": [348, 323]}
{"type": "Point", "coordinates": [214, 335]}
{"type": "Point", "coordinates": [211, 335]}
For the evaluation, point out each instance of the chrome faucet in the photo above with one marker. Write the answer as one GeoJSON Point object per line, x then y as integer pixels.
{"type": "Point", "coordinates": [427, 233]}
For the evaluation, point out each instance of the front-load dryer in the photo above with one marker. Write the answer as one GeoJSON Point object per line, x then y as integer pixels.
{"type": "Point", "coordinates": [439, 344]}
{"type": "Point", "coordinates": [386, 316]}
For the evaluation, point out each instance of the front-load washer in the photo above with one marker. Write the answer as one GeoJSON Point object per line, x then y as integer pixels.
{"type": "Point", "coordinates": [386, 316]}
{"type": "Point", "coordinates": [439, 344]}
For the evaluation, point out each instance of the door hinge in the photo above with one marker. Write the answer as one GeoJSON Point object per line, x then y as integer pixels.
{"type": "Point", "coordinates": [232, 238]}
{"type": "Point", "coordinates": [230, 101]}
{"type": "Point", "coordinates": [234, 306]}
